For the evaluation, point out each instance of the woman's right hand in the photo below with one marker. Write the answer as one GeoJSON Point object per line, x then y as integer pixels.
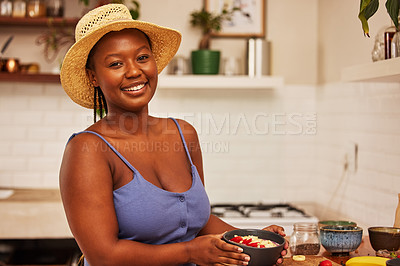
{"type": "Point", "coordinates": [212, 250]}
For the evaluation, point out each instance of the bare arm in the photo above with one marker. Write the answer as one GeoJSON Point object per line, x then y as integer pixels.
{"type": "Point", "coordinates": [86, 188]}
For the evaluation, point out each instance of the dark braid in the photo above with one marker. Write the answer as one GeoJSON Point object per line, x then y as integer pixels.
{"type": "Point", "coordinates": [99, 99]}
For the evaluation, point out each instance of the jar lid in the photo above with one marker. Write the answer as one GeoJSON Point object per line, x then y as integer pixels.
{"type": "Point", "coordinates": [305, 227]}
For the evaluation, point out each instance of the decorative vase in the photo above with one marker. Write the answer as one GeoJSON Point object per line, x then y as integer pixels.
{"type": "Point", "coordinates": [205, 62]}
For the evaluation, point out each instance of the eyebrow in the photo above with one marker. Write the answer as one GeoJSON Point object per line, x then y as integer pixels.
{"type": "Point", "coordinates": [138, 50]}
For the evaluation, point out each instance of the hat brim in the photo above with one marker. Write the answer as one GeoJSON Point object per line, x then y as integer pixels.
{"type": "Point", "coordinates": [164, 41]}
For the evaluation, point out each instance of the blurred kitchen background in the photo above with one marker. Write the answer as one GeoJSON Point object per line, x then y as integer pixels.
{"type": "Point", "coordinates": [315, 133]}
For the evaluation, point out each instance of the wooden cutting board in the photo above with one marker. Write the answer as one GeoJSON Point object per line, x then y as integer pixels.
{"type": "Point", "coordinates": [310, 261]}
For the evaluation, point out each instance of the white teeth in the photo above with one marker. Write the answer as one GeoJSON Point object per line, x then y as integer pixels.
{"type": "Point", "coordinates": [136, 88]}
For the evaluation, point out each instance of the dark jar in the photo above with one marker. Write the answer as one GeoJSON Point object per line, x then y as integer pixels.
{"type": "Point", "coordinates": [305, 239]}
{"type": "Point", "coordinates": [55, 8]}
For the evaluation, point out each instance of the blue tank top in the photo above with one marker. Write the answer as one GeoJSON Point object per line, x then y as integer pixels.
{"type": "Point", "coordinates": [149, 214]}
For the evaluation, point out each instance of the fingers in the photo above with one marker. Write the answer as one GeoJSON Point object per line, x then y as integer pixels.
{"type": "Point", "coordinates": [276, 229]}
{"type": "Point", "coordinates": [235, 259]}
{"type": "Point", "coordinates": [233, 254]}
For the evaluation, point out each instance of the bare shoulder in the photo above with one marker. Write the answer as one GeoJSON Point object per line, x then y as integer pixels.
{"type": "Point", "coordinates": [86, 144]}
{"type": "Point", "coordinates": [188, 131]}
{"type": "Point", "coordinates": [85, 157]}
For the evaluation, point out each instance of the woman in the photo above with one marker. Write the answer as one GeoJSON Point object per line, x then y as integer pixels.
{"type": "Point", "coordinates": [132, 189]}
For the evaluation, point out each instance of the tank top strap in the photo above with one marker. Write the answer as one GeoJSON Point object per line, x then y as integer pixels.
{"type": "Point", "coordinates": [183, 139]}
{"type": "Point", "coordinates": [109, 145]}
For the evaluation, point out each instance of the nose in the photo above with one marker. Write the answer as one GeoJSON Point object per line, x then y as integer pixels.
{"type": "Point", "coordinates": [132, 70]}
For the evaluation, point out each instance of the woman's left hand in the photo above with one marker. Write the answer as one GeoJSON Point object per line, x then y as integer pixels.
{"type": "Point", "coordinates": [279, 230]}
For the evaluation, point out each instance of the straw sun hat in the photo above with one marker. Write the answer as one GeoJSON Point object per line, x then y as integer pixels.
{"type": "Point", "coordinates": [94, 25]}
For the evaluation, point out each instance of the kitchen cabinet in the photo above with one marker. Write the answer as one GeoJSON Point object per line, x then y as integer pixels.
{"type": "Point", "coordinates": [38, 23]}
{"type": "Point", "coordinates": [381, 71]}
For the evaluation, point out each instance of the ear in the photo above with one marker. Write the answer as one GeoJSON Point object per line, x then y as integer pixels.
{"type": "Point", "coordinates": [92, 77]}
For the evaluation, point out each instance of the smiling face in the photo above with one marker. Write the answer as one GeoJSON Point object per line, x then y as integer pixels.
{"type": "Point", "coordinates": [123, 66]}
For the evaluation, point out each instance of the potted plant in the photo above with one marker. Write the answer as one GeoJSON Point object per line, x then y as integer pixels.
{"type": "Point", "coordinates": [204, 60]}
{"type": "Point", "coordinates": [369, 7]}
{"type": "Point", "coordinates": [54, 39]}
{"type": "Point", "coordinates": [133, 6]}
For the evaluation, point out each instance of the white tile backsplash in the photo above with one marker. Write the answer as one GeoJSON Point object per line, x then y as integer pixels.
{"type": "Point", "coordinates": [366, 114]}
{"type": "Point", "coordinates": [287, 144]}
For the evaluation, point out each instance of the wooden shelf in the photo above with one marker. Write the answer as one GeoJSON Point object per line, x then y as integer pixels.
{"type": "Point", "coordinates": [38, 22]}
{"type": "Point", "coordinates": [36, 78]}
{"type": "Point", "coordinates": [380, 71]}
{"type": "Point", "coordinates": [218, 82]}
{"type": "Point", "coordinates": [171, 82]}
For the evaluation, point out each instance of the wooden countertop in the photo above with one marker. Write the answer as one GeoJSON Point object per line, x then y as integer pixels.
{"type": "Point", "coordinates": [33, 195]}
{"type": "Point", "coordinates": [33, 213]}
{"type": "Point", "coordinates": [365, 249]}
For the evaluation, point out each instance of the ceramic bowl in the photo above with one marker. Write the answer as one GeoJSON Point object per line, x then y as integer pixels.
{"type": "Point", "coordinates": [393, 262]}
{"type": "Point", "coordinates": [336, 222]}
{"type": "Point", "coordinates": [382, 237]}
{"type": "Point", "coordinates": [340, 240]}
{"type": "Point", "coordinates": [258, 256]}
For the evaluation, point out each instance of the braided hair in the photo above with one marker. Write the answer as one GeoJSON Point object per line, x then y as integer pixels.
{"type": "Point", "coordinates": [98, 98]}
{"type": "Point", "coordinates": [99, 101]}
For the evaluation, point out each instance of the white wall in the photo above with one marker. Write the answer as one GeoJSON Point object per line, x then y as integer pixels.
{"type": "Point", "coordinates": [362, 113]}
{"type": "Point", "coordinates": [311, 42]}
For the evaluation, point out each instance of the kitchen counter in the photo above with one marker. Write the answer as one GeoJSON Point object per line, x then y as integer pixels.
{"type": "Point", "coordinates": [33, 213]}
{"type": "Point", "coordinates": [365, 249]}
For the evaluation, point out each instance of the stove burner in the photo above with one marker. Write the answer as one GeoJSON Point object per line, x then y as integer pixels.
{"type": "Point", "coordinates": [247, 210]}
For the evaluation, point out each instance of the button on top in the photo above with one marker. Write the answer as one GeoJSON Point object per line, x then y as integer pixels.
{"type": "Point", "coordinates": [183, 224]}
{"type": "Point", "coordinates": [182, 198]}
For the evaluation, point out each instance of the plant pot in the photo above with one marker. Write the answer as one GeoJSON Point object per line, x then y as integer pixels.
{"type": "Point", "coordinates": [205, 62]}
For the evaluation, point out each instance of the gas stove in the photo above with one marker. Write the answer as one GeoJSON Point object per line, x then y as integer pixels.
{"type": "Point", "coordinates": [260, 215]}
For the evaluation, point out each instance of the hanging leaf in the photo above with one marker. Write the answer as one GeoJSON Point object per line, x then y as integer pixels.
{"type": "Point", "coordinates": [367, 9]}
{"type": "Point", "coordinates": [135, 9]}
{"type": "Point", "coordinates": [392, 7]}
{"type": "Point", "coordinates": [85, 2]}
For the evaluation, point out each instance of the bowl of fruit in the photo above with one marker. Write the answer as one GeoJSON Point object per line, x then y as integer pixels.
{"type": "Point", "coordinates": [263, 247]}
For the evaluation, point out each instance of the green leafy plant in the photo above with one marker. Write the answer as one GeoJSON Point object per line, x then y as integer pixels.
{"type": "Point", "coordinates": [369, 7]}
{"type": "Point", "coordinates": [55, 38]}
{"type": "Point", "coordinates": [210, 23]}
{"type": "Point", "coordinates": [134, 6]}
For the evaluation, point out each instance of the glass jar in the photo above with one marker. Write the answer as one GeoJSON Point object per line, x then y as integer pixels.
{"type": "Point", "coordinates": [378, 53]}
{"type": "Point", "coordinates": [36, 8]}
{"type": "Point", "coordinates": [19, 9]}
{"type": "Point", "coordinates": [5, 8]}
{"type": "Point", "coordinates": [388, 36]}
{"type": "Point", "coordinates": [395, 45]}
{"type": "Point", "coordinates": [305, 239]}
{"type": "Point", "coordinates": [55, 8]}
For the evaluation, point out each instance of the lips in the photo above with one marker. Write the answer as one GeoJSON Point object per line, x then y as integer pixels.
{"type": "Point", "coordinates": [137, 87]}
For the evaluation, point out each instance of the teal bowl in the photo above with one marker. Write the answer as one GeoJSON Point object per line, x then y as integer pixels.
{"type": "Point", "coordinates": [340, 240]}
{"type": "Point", "coordinates": [336, 222]}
